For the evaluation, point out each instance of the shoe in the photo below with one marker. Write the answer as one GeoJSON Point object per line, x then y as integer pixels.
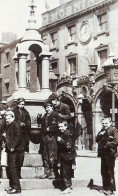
{"type": "Point", "coordinates": [13, 191]}
{"type": "Point", "coordinates": [101, 190]}
{"type": "Point", "coordinates": [43, 177]}
{"type": "Point", "coordinates": [52, 176]}
{"type": "Point", "coordinates": [67, 191]}
{"type": "Point", "coordinates": [7, 189]}
{"type": "Point", "coordinates": [108, 192]}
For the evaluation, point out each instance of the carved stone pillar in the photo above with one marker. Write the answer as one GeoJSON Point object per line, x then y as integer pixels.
{"type": "Point", "coordinates": [16, 72]}
{"type": "Point", "coordinates": [45, 70]}
{"type": "Point", "coordinates": [22, 71]}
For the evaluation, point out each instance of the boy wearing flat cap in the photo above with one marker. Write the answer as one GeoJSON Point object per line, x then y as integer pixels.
{"type": "Point", "coordinates": [107, 140]}
{"type": "Point", "coordinates": [23, 118]}
{"type": "Point", "coordinates": [49, 132]}
{"type": "Point", "coordinates": [61, 108]}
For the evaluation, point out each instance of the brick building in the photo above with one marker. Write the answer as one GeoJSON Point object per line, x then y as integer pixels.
{"type": "Point", "coordinates": [76, 39]}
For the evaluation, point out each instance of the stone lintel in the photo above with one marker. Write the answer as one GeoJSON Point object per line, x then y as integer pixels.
{"type": "Point", "coordinates": [45, 54]}
{"type": "Point", "coordinates": [23, 53]}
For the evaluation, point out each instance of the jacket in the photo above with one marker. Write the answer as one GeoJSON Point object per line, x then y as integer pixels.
{"type": "Point", "coordinates": [64, 110]}
{"type": "Point", "coordinates": [107, 143]}
{"type": "Point", "coordinates": [14, 137]}
{"type": "Point", "coordinates": [66, 146]}
{"type": "Point", "coordinates": [25, 118]}
{"type": "Point", "coordinates": [50, 122]}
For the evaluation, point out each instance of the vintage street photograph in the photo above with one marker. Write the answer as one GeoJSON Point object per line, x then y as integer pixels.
{"type": "Point", "coordinates": [58, 97]}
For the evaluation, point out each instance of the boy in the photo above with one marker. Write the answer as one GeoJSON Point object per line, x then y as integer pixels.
{"type": "Point", "coordinates": [66, 153]}
{"type": "Point", "coordinates": [15, 150]}
{"type": "Point", "coordinates": [107, 140]}
{"type": "Point", "coordinates": [49, 132]}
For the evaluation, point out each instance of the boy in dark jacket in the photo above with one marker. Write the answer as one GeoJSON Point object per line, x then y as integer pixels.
{"type": "Point", "coordinates": [23, 118]}
{"type": "Point", "coordinates": [107, 140]}
{"type": "Point", "coordinates": [49, 134]}
{"type": "Point", "coordinates": [66, 153]}
{"type": "Point", "coordinates": [15, 150]}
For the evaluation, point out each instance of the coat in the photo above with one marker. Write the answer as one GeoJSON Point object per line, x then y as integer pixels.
{"type": "Point", "coordinates": [66, 146]}
{"type": "Point", "coordinates": [14, 137]}
{"type": "Point", "coordinates": [25, 118]}
{"type": "Point", "coordinates": [50, 122]}
{"type": "Point", "coordinates": [107, 143]}
{"type": "Point", "coordinates": [64, 110]}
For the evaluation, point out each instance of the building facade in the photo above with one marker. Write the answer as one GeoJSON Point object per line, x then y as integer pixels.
{"type": "Point", "coordinates": [76, 40]}
{"type": "Point", "coordinates": [82, 35]}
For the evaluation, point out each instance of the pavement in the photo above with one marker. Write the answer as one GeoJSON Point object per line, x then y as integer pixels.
{"type": "Point", "coordinates": [86, 169]}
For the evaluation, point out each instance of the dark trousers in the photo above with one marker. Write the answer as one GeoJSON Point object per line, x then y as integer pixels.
{"type": "Point", "coordinates": [15, 161]}
{"type": "Point", "coordinates": [49, 154]}
{"type": "Point", "coordinates": [107, 172]}
{"type": "Point", "coordinates": [66, 172]}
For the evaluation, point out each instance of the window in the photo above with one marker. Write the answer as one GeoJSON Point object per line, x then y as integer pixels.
{"type": "Point", "coordinates": [71, 67]}
{"type": "Point", "coordinates": [28, 79]}
{"type": "Point", "coordinates": [54, 67]}
{"type": "Point", "coordinates": [72, 33]}
{"type": "Point", "coordinates": [7, 88]}
{"type": "Point", "coordinates": [102, 56]}
{"type": "Point", "coordinates": [54, 39]}
{"type": "Point", "coordinates": [101, 22]}
{"type": "Point", "coordinates": [7, 57]}
{"type": "Point", "coordinates": [102, 19]}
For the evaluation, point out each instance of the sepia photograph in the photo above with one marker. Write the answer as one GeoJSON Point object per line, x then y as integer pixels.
{"type": "Point", "coordinates": [59, 97]}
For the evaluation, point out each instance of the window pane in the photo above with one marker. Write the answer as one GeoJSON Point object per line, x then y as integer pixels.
{"type": "Point", "coordinates": [72, 63]}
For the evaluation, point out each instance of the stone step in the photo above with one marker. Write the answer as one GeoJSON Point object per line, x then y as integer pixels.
{"type": "Point", "coordinates": [26, 172]}
{"type": "Point", "coordinates": [27, 184]}
{"type": "Point", "coordinates": [32, 159]}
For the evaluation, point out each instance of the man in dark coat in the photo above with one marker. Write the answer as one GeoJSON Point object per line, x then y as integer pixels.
{"type": "Point", "coordinates": [23, 118]}
{"type": "Point", "coordinates": [61, 108]}
{"type": "Point", "coordinates": [15, 151]}
{"type": "Point", "coordinates": [107, 140]}
{"type": "Point", "coordinates": [49, 131]}
{"type": "Point", "coordinates": [67, 154]}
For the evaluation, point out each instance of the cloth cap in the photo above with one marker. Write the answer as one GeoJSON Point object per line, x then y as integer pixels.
{"type": "Point", "coordinates": [47, 103]}
{"type": "Point", "coordinates": [20, 100]}
{"type": "Point", "coordinates": [53, 96]}
{"type": "Point", "coordinates": [9, 113]}
{"type": "Point", "coordinates": [3, 102]}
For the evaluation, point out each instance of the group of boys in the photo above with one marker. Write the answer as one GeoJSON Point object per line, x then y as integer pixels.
{"type": "Point", "coordinates": [58, 142]}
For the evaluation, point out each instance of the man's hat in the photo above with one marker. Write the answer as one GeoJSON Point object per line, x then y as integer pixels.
{"type": "Point", "coordinates": [20, 100]}
{"type": "Point", "coordinates": [47, 103]}
{"type": "Point", "coordinates": [3, 102]}
{"type": "Point", "coordinates": [53, 96]}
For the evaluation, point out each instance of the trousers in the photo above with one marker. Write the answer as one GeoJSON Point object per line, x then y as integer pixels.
{"type": "Point", "coordinates": [15, 162]}
{"type": "Point", "coordinates": [66, 172]}
{"type": "Point", "coordinates": [49, 154]}
{"type": "Point", "coordinates": [107, 172]}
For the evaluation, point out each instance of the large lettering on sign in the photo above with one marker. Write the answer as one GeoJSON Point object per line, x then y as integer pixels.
{"type": "Point", "coordinates": [68, 9]}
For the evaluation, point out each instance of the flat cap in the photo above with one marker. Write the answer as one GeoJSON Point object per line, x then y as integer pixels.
{"type": "Point", "coordinates": [53, 96]}
{"type": "Point", "coordinates": [20, 100]}
{"type": "Point", "coordinates": [3, 102]}
{"type": "Point", "coordinates": [47, 103]}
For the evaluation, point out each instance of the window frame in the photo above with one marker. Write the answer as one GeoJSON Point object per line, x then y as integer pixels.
{"type": "Point", "coordinates": [67, 40]}
{"type": "Point", "coordinates": [98, 32]}
{"type": "Point", "coordinates": [56, 46]}
{"type": "Point", "coordinates": [97, 57]}
{"type": "Point", "coordinates": [67, 68]}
